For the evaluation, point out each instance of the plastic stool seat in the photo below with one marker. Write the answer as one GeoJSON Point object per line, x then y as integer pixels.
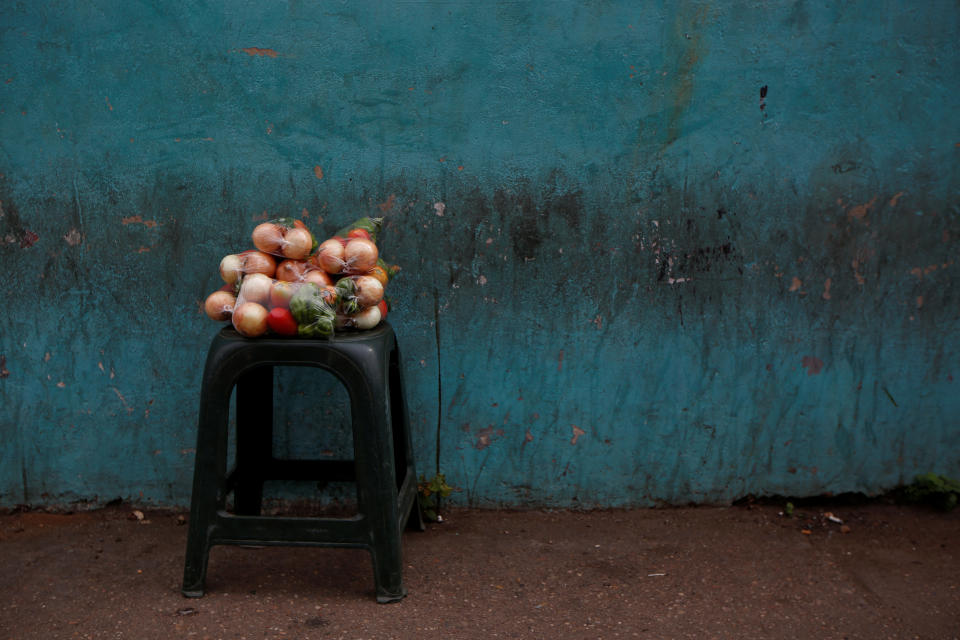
{"type": "Point", "coordinates": [368, 364]}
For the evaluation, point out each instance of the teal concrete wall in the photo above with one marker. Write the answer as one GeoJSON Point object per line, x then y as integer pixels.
{"type": "Point", "coordinates": [654, 252]}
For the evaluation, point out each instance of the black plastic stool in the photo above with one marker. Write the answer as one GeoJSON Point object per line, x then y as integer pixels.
{"type": "Point", "coordinates": [368, 364]}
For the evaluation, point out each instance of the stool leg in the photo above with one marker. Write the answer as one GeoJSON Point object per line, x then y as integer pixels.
{"type": "Point", "coordinates": [254, 438]}
{"type": "Point", "coordinates": [403, 442]}
{"type": "Point", "coordinates": [209, 483]}
{"type": "Point", "coordinates": [377, 491]}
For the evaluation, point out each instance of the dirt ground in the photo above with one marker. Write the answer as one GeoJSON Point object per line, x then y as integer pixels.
{"type": "Point", "coordinates": [886, 571]}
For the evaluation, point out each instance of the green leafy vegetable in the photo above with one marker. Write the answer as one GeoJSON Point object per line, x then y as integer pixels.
{"type": "Point", "coordinates": [314, 315]}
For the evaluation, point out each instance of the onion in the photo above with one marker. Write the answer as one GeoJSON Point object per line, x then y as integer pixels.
{"type": "Point", "coordinates": [231, 268]}
{"type": "Point", "coordinates": [269, 237]}
{"type": "Point", "coordinates": [367, 319]}
{"type": "Point", "coordinates": [258, 262]}
{"type": "Point", "coordinates": [330, 256]}
{"type": "Point", "coordinates": [298, 243]}
{"type": "Point", "coordinates": [291, 270]}
{"type": "Point", "coordinates": [219, 305]}
{"type": "Point", "coordinates": [281, 292]}
{"type": "Point", "coordinates": [318, 277]}
{"type": "Point", "coordinates": [250, 319]}
{"type": "Point", "coordinates": [256, 288]}
{"type": "Point", "coordinates": [360, 255]}
{"type": "Point", "coordinates": [369, 290]}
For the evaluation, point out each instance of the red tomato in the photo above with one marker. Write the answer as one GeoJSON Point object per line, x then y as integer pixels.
{"type": "Point", "coordinates": [281, 321]}
{"type": "Point", "coordinates": [359, 233]}
{"type": "Point", "coordinates": [382, 305]}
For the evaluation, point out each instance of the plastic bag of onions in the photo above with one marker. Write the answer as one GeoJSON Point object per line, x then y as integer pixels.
{"type": "Point", "coordinates": [352, 250]}
{"type": "Point", "coordinates": [284, 237]}
{"type": "Point", "coordinates": [338, 287]}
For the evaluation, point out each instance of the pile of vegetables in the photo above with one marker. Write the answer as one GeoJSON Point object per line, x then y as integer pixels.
{"type": "Point", "coordinates": [292, 286]}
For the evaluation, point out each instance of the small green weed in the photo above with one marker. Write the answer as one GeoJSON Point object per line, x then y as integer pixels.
{"type": "Point", "coordinates": [933, 489]}
{"type": "Point", "coordinates": [431, 492]}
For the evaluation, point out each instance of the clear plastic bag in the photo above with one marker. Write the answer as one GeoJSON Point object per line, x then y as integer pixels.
{"type": "Point", "coordinates": [284, 237]}
{"type": "Point", "coordinates": [339, 287]}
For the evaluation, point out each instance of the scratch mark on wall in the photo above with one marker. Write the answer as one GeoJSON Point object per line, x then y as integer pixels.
{"type": "Point", "coordinates": [73, 237]}
{"type": "Point", "coordinates": [109, 106]}
{"type": "Point", "coordinates": [577, 432]}
{"type": "Point", "coordinates": [5, 373]}
{"type": "Point", "coordinates": [122, 400]}
{"type": "Point", "coordinates": [812, 364]}
{"type": "Point", "coordinates": [439, 208]}
{"type": "Point", "coordinates": [528, 437]}
{"type": "Point", "coordinates": [318, 171]}
{"type": "Point", "coordinates": [826, 289]}
{"type": "Point", "coordinates": [892, 401]}
{"type": "Point", "coordinates": [257, 51]}
{"type": "Point", "coordinates": [895, 199]}
{"type": "Point", "coordinates": [795, 284]}
{"type": "Point", "coordinates": [560, 361]}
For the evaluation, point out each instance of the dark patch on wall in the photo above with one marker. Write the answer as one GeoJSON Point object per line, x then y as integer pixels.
{"type": "Point", "coordinates": [529, 217]}
{"type": "Point", "coordinates": [12, 229]}
{"type": "Point", "coordinates": [523, 217]}
{"type": "Point", "coordinates": [845, 167]}
{"type": "Point", "coordinates": [705, 259]}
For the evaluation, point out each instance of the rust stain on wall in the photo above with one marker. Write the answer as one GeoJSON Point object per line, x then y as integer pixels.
{"type": "Point", "coordinates": [318, 171]}
{"type": "Point", "coordinates": [28, 239]}
{"type": "Point", "coordinates": [386, 206]}
{"type": "Point", "coordinates": [812, 365]}
{"type": "Point", "coordinates": [577, 432]}
{"type": "Point", "coordinates": [139, 220]}
{"type": "Point", "coordinates": [257, 51]}
{"type": "Point", "coordinates": [860, 211]}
